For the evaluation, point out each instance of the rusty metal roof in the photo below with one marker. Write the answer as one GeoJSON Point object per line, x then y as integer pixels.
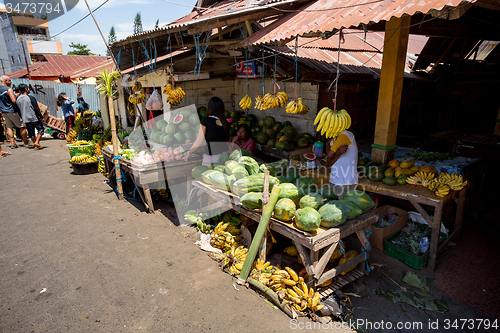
{"type": "Point", "coordinates": [58, 65]}
{"type": "Point", "coordinates": [331, 15]}
{"type": "Point", "coordinates": [357, 56]}
{"type": "Point", "coordinates": [159, 61]}
{"type": "Point", "coordinates": [94, 70]}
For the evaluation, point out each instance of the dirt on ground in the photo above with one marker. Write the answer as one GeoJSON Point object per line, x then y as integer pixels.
{"type": "Point", "coordinates": [74, 258]}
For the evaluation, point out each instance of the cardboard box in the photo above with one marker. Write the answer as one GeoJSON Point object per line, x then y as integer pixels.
{"type": "Point", "coordinates": [379, 234]}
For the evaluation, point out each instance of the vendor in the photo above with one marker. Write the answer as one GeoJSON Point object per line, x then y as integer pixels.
{"type": "Point", "coordinates": [243, 139]}
{"type": "Point", "coordinates": [342, 156]}
{"type": "Point", "coordinates": [214, 130]}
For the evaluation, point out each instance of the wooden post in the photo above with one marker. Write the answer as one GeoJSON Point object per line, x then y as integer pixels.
{"type": "Point", "coordinates": [391, 85]}
{"type": "Point", "coordinates": [26, 60]}
{"type": "Point", "coordinates": [265, 199]}
{"type": "Point", "coordinates": [114, 138]}
{"type": "Point", "coordinates": [497, 125]}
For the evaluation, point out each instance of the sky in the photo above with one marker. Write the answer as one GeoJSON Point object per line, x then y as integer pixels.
{"type": "Point", "coordinates": [117, 13]}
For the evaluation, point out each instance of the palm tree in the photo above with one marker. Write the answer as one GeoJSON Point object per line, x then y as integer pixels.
{"type": "Point", "coordinates": [105, 87]}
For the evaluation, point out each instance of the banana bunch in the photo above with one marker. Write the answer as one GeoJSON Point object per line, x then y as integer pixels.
{"type": "Point", "coordinates": [223, 236]}
{"type": "Point", "coordinates": [137, 87]}
{"type": "Point", "coordinates": [89, 113]}
{"type": "Point", "coordinates": [71, 136]}
{"type": "Point", "coordinates": [298, 296]}
{"type": "Point", "coordinates": [259, 102]}
{"type": "Point", "coordinates": [243, 121]}
{"type": "Point", "coordinates": [455, 181]}
{"type": "Point", "coordinates": [282, 98]}
{"type": "Point", "coordinates": [237, 258]}
{"type": "Point", "coordinates": [261, 271]}
{"type": "Point", "coordinates": [83, 159]}
{"type": "Point", "coordinates": [296, 106]}
{"type": "Point", "coordinates": [441, 190]}
{"type": "Point", "coordinates": [246, 102]}
{"type": "Point", "coordinates": [175, 95]}
{"type": "Point", "coordinates": [421, 178]}
{"type": "Point", "coordinates": [131, 109]}
{"type": "Point", "coordinates": [101, 168]}
{"type": "Point", "coordinates": [332, 123]}
{"type": "Point", "coordinates": [137, 98]}
{"type": "Point", "coordinates": [80, 143]}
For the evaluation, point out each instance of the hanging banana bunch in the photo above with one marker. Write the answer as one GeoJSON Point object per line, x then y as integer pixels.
{"type": "Point", "coordinates": [130, 108]}
{"type": "Point", "coordinates": [246, 102]}
{"type": "Point", "coordinates": [297, 106]}
{"type": "Point", "coordinates": [175, 95]}
{"type": "Point", "coordinates": [332, 123]}
{"type": "Point", "coordinates": [137, 98]}
{"type": "Point", "coordinates": [137, 87]}
{"type": "Point", "coordinates": [270, 101]}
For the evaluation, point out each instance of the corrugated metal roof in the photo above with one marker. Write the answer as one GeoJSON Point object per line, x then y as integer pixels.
{"type": "Point", "coordinates": [356, 56]}
{"type": "Point", "coordinates": [58, 65]}
{"type": "Point", "coordinates": [94, 70]}
{"type": "Point", "coordinates": [329, 15]}
{"type": "Point", "coordinates": [156, 61]}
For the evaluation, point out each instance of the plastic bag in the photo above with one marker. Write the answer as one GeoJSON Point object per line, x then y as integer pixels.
{"type": "Point", "coordinates": [97, 121]}
{"type": "Point", "coordinates": [154, 102]}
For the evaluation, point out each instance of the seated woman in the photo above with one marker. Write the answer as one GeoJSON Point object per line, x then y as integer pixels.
{"type": "Point", "coordinates": [243, 139]}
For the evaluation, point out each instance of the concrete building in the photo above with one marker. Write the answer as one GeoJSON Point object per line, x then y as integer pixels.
{"type": "Point", "coordinates": [32, 32]}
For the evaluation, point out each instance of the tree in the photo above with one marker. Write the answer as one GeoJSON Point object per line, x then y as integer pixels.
{"type": "Point", "coordinates": [157, 24]}
{"type": "Point", "coordinates": [137, 23]}
{"type": "Point", "coordinates": [79, 49]}
{"type": "Point", "coordinates": [111, 38]}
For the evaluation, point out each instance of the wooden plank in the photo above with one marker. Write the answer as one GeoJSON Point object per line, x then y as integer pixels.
{"type": "Point", "coordinates": [325, 258]}
{"type": "Point", "coordinates": [341, 268]}
{"type": "Point", "coordinates": [364, 241]}
{"type": "Point", "coordinates": [149, 200]}
{"type": "Point", "coordinates": [459, 216]}
{"type": "Point", "coordinates": [434, 241]}
{"type": "Point", "coordinates": [422, 212]}
{"type": "Point", "coordinates": [305, 259]}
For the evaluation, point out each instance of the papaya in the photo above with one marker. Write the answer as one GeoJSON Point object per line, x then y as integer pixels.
{"type": "Point", "coordinates": [402, 179]}
{"type": "Point", "coordinates": [391, 181]}
{"type": "Point", "coordinates": [415, 168]}
{"type": "Point", "coordinates": [408, 172]}
{"type": "Point", "coordinates": [393, 164]}
{"type": "Point", "coordinates": [389, 172]}
{"type": "Point", "coordinates": [252, 200]}
{"type": "Point", "coordinates": [284, 210]}
{"type": "Point", "coordinates": [428, 168]}
{"type": "Point", "coordinates": [407, 163]}
{"type": "Point", "coordinates": [351, 254]}
{"type": "Point", "coordinates": [398, 171]}
{"type": "Point", "coordinates": [377, 176]}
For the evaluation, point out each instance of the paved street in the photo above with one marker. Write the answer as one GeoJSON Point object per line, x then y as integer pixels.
{"type": "Point", "coordinates": [73, 258]}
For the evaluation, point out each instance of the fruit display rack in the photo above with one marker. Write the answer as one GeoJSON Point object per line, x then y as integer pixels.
{"type": "Point", "coordinates": [417, 196]}
{"type": "Point", "coordinates": [315, 248]}
{"type": "Point", "coordinates": [143, 175]}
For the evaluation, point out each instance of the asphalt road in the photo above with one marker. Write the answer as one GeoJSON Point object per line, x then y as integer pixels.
{"type": "Point", "coordinates": [73, 258]}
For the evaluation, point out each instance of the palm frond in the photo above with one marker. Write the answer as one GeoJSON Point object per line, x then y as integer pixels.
{"type": "Point", "coordinates": [106, 81]}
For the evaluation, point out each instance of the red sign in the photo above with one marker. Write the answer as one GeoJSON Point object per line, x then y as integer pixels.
{"type": "Point", "coordinates": [246, 69]}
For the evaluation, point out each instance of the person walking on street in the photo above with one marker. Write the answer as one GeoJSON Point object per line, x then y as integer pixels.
{"type": "Point", "coordinates": [66, 105]}
{"type": "Point", "coordinates": [82, 106]}
{"type": "Point", "coordinates": [12, 118]}
{"type": "Point", "coordinates": [32, 117]}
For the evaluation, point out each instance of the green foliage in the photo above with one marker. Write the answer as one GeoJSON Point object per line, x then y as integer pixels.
{"type": "Point", "coordinates": [106, 81]}
{"type": "Point", "coordinates": [79, 49]}
{"type": "Point", "coordinates": [137, 23]}
{"type": "Point", "coordinates": [157, 24]}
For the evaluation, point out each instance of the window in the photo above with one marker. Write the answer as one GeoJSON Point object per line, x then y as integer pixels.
{"type": "Point", "coordinates": [31, 31]}
{"type": "Point", "coordinates": [12, 57]}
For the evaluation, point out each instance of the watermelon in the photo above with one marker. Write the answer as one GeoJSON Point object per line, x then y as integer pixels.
{"type": "Point", "coordinates": [355, 210]}
{"type": "Point", "coordinates": [306, 185]}
{"type": "Point", "coordinates": [255, 130]}
{"type": "Point", "coordinates": [307, 136]}
{"type": "Point", "coordinates": [168, 140]}
{"type": "Point", "coordinates": [218, 167]}
{"type": "Point", "coordinates": [360, 198]}
{"type": "Point", "coordinates": [230, 165]}
{"type": "Point", "coordinates": [161, 137]}
{"type": "Point", "coordinates": [312, 200]}
{"type": "Point", "coordinates": [271, 142]}
{"type": "Point", "coordinates": [261, 138]}
{"type": "Point", "coordinates": [333, 214]}
{"type": "Point", "coordinates": [270, 121]}
{"type": "Point", "coordinates": [253, 183]}
{"type": "Point", "coordinates": [277, 128]}
{"type": "Point", "coordinates": [310, 156]}
{"type": "Point", "coordinates": [202, 112]}
{"type": "Point", "coordinates": [307, 219]}
{"type": "Point", "coordinates": [252, 200]}
{"type": "Point", "coordinates": [284, 210]}
{"type": "Point", "coordinates": [198, 171]}
{"type": "Point", "coordinates": [194, 120]}
{"type": "Point", "coordinates": [161, 123]}
{"type": "Point", "coordinates": [262, 123]}
{"type": "Point", "coordinates": [235, 115]}
{"type": "Point", "coordinates": [171, 128]}
{"type": "Point", "coordinates": [302, 143]}
{"type": "Point", "coordinates": [289, 191]}
{"type": "Point", "coordinates": [179, 137]}
{"type": "Point", "coordinates": [206, 176]}
{"type": "Point", "coordinates": [250, 164]}
{"type": "Point", "coordinates": [289, 130]}
{"type": "Point", "coordinates": [240, 172]}
{"type": "Point", "coordinates": [184, 127]}
{"type": "Point", "coordinates": [275, 168]}
{"type": "Point", "coordinates": [286, 146]}
{"type": "Point", "coordinates": [287, 123]}
{"type": "Point", "coordinates": [251, 118]}
{"type": "Point", "coordinates": [189, 136]}
{"type": "Point", "coordinates": [270, 132]}
{"type": "Point", "coordinates": [235, 155]}
{"type": "Point", "coordinates": [178, 119]}
{"type": "Point", "coordinates": [220, 180]}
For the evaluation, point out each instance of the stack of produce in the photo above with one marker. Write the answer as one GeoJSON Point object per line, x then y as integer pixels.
{"type": "Point", "coordinates": [182, 128]}
{"type": "Point", "coordinates": [269, 101]}
{"type": "Point", "coordinates": [175, 94]}
{"type": "Point", "coordinates": [246, 102]}
{"type": "Point", "coordinates": [440, 185]}
{"type": "Point", "coordinates": [137, 97]}
{"type": "Point", "coordinates": [83, 159]}
{"type": "Point", "coordinates": [297, 106]}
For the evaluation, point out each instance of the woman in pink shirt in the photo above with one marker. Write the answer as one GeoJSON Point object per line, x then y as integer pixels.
{"type": "Point", "coordinates": [243, 139]}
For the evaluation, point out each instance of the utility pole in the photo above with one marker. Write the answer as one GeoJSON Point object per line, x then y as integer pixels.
{"type": "Point", "coordinates": [26, 60]}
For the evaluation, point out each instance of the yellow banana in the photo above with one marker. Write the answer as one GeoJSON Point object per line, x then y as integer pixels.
{"type": "Point", "coordinates": [328, 121]}
{"type": "Point", "coordinates": [320, 114]}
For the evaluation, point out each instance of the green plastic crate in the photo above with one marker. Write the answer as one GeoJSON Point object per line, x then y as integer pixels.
{"type": "Point", "coordinates": [405, 256]}
{"type": "Point", "coordinates": [80, 150]}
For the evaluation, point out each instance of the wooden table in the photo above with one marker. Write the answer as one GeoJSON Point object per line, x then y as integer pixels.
{"type": "Point", "coordinates": [144, 175]}
{"type": "Point", "coordinates": [417, 196]}
{"type": "Point", "coordinates": [315, 248]}
{"type": "Point", "coordinates": [277, 153]}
